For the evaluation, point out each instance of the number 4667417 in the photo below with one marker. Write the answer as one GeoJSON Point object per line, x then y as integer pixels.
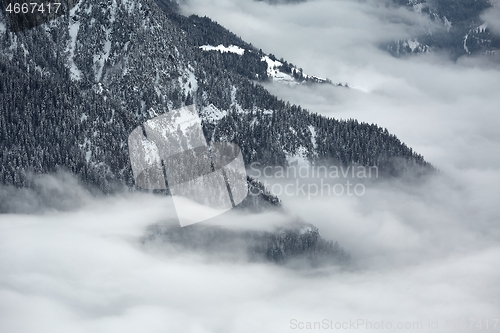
{"type": "Point", "coordinates": [33, 8]}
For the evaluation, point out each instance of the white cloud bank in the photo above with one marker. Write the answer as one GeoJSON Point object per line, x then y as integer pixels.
{"type": "Point", "coordinates": [417, 257]}
{"type": "Point", "coordinates": [421, 252]}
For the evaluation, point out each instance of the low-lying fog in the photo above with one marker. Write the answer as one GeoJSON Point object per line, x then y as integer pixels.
{"type": "Point", "coordinates": [422, 251]}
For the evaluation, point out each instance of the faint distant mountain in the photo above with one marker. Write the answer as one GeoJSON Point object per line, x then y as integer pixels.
{"type": "Point", "coordinates": [297, 244]}
{"type": "Point", "coordinates": [461, 31]}
{"type": "Point", "coordinates": [458, 29]}
{"type": "Point", "coordinates": [274, 2]}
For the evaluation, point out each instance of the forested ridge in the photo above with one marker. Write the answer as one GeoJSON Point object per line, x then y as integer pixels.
{"type": "Point", "coordinates": [458, 29]}
{"type": "Point", "coordinates": [73, 89]}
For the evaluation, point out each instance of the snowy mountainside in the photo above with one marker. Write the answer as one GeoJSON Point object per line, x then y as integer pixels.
{"type": "Point", "coordinates": [252, 63]}
{"type": "Point", "coordinates": [461, 31]}
{"type": "Point", "coordinates": [74, 88]}
{"type": "Point", "coordinates": [281, 71]}
{"type": "Point", "coordinates": [221, 48]}
{"type": "Point", "coordinates": [277, 71]}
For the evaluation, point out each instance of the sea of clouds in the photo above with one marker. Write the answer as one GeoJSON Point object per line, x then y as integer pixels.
{"type": "Point", "coordinates": [423, 250]}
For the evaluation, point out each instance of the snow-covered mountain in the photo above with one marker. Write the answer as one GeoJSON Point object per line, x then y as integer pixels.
{"type": "Point", "coordinates": [252, 62]}
{"type": "Point", "coordinates": [455, 27]}
{"type": "Point", "coordinates": [74, 88]}
{"type": "Point", "coordinates": [459, 29]}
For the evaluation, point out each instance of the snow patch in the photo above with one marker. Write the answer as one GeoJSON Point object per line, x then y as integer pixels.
{"type": "Point", "coordinates": [76, 74]}
{"type": "Point", "coordinates": [183, 119]}
{"type": "Point", "coordinates": [234, 102]}
{"type": "Point", "coordinates": [447, 23]}
{"type": "Point", "coordinates": [25, 50]}
{"type": "Point", "coordinates": [192, 81]}
{"type": "Point", "coordinates": [13, 46]}
{"type": "Point", "coordinates": [3, 28]}
{"type": "Point", "coordinates": [274, 73]}
{"type": "Point", "coordinates": [86, 146]}
{"type": "Point", "coordinates": [151, 152]}
{"type": "Point", "coordinates": [413, 44]}
{"type": "Point", "coordinates": [129, 5]}
{"type": "Point", "coordinates": [299, 158]}
{"type": "Point", "coordinates": [100, 59]}
{"type": "Point", "coordinates": [465, 44]}
{"type": "Point", "coordinates": [73, 29]}
{"type": "Point", "coordinates": [221, 48]}
{"type": "Point", "coordinates": [42, 71]}
{"type": "Point", "coordinates": [188, 81]}
{"type": "Point", "coordinates": [312, 129]}
{"type": "Point", "coordinates": [212, 114]}
{"type": "Point", "coordinates": [481, 28]}
{"type": "Point", "coordinates": [271, 64]}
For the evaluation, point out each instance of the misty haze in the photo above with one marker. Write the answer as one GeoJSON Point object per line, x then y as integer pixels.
{"type": "Point", "coordinates": [250, 166]}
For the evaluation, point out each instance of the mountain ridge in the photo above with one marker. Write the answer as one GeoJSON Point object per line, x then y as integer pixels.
{"type": "Point", "coordinates": [74, 88]}
{"type": "Point", "coordinates": [461, 30]}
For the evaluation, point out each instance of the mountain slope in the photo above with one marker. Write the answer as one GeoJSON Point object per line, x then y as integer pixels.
{"type": "Point", "coordinates": [74, 88]}
{"type": "Point", "coordinates": [253, 63]}
{"type": "Point", "coordinates": [461, 31]}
